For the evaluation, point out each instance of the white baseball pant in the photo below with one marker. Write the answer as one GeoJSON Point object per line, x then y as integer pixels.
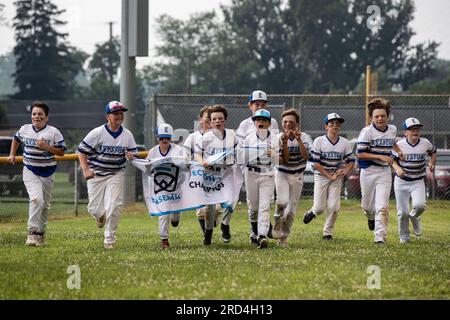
{"type": "Point", "coordinates": [200, 213]}
{"type": "Point", "coordinates": [40, 194]}
{"type": "Point", "coordinates": [210, 216]}
{"type": "Point", "coordinates": [252, 215]}
{"type": "Point", "coordinates": [404, 190]}
{"type": "Point", "coordinates": [106, 197]}
{"type": "Point", "coordinates": [223, 215]}
{"type": "Point", "coordinates": [163, 223]}
{"type": "Point", "coordinates": [289, 190]}
{"type": "Point", "coordinates": [260, 189]}
{"type": "Point", "coordinates": [376, 183]}
{"type": "Point", "coordinates": [327, 194]}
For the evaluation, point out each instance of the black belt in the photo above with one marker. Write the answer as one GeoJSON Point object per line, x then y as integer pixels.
{"type": "Point", "coordinates": [291, 171]}
{"type": "Point", "coordinates": [257, 169]}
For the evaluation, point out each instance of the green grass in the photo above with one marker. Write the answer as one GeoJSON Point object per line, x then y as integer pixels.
{"type": "Point", "coordinates": [309, 269]}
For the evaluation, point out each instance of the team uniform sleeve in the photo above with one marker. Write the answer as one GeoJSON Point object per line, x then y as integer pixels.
{"type": "Point", "coordinates": [240, 132]}
{"type": "Point", "coordinates": [131, 147]}
{"type": "Point", "coordinates": [89, 143]}
{"type": "Point", "coordinates": [275, 127]}
{"type": "Point", "coordinates": [19, 135]}
{"type": "Point", "coordinates": [394, 154]}
{"type": "Point", "coordinates": [199, 144]}
{"type": "Point", "coordinates": [276, 143]}
{"type": "Point", "coordinates": [236, 148]}
{"type": "Point", "coordinates": [280, 145]}
{"type": "Point", "coordinates": [349, 156]}
{"type": "Point", "coordinates": [235, 141]}
{"type": "Point", "coordinates": [395, 129]}
{"type": "Point", "coordinates": [58, 140]}
{"type": "Point", "coordinates": [307, 142]}
{"type": "Point", "coordinates": [149, 154]}
{"type": "Point", "coordinates": [315, 151]}
{"type": "Point", "coordinates": [276, 148]}
{"type": "Point", "coordinates": [185, 155]}
{"type": "Point", "coordinates": [188, 146]}
{"type": "Point", "coordinates": [431, 148]}
{"type": "Point", "coordinates": [363, 141]}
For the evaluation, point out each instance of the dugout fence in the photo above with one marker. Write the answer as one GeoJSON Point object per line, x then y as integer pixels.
{"type": "Point", "coordinates": [69, 193]}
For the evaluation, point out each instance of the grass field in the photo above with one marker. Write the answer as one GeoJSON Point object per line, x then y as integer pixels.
{"type": "Point", "coordinates": [309, 269]}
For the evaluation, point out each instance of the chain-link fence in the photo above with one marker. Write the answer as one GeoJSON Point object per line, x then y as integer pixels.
{"type": "Point", "coordinates": [14, 196]}
{"type": "Point", "coordinates": [69, 196]}
{"type": "Point", "coordinates": [70, 193]}
{"type": "Point", "coordinates": [181, 111]}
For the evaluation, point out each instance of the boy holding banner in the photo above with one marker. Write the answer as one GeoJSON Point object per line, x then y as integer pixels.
{"type": "Point", "coordinates": [164, 149]}
{"type": "Point", "coordinates": [221, 183]}
{"type": "Point", "coordinates": [189, 146]}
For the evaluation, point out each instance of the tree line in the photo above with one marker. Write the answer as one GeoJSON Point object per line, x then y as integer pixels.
{"type": "Point", "coordinates": [292, 46]}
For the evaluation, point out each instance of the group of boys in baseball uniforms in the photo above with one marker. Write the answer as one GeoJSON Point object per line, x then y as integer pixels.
{"type": "Point", "coordinates": [273, 162]}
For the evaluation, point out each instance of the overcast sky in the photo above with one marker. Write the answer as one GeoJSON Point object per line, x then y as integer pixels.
{"type": "Point", "coordinates": [88, 21]}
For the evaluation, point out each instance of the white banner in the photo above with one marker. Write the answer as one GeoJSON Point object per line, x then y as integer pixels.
{"type": "Point", "coordinates": [172, 186]}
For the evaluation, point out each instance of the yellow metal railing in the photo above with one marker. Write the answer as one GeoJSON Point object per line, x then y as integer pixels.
{"type": "Point", "coordinates": [67, 157]}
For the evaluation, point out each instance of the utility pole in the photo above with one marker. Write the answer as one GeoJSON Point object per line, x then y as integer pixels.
{"type": "Point", "coordinates": [134, 42]}
{"type": "Point", "coordinates": [111, 23]}
{"type": "Point", "coordinates": [188, 77]}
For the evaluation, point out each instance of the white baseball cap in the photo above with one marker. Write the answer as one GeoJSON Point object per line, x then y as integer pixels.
{"type": "Point", "coordinates": [258, 95]}
{"type": "Point", "coordinates": [332, 116]}
{"type": "Point", "coordinates": [165, 130]}
{"type": "Point", "coordinates": [411, 122]}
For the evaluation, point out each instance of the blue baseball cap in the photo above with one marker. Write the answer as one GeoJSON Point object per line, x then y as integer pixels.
{"type": "Point", "coordinates": [332, 116]}
{"type": "Point", "coordinates": [114, 106]}
{"type": "Point", "coordinates": [261, 113]}
{"type": "Point", "coordinates": [411, 122]}
{"type": "Point", "coordinates": [258, 95]}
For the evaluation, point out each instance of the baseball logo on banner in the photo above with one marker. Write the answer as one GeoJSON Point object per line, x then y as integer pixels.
{"type": "Point", "coordinates": [165, 178]}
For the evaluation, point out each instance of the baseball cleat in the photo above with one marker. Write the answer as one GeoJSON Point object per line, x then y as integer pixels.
{"type": "Point", "coordinates": [165, 244]}
{"type": "Point", "coordinates": [108, 246]}
{"type": "Point", "coordinates": [263, 243]}
{"type": "Point", "coordinates": [101, 221]}
{"type": "Point", "coordinates": [208, 237]}
{"type": "Point", "coordinates": [31, 240]}
{"type": "Point", "coordinates": [308, 217]}
{"type": "Point", "coordinates": [380, 242]}
{"type": "Point", "coordinates": [276, 230]}
{"type": "Point", "coordinates": [327, 237]}
{"type": "Point", "coordinates": [371, 224]}
{"type": "Point", "coordinates": [226, 236]}
{"type": "Point", "coordinates": [254, 240]}
{"type": "Point", "coordinates": [39, 240]}
{"type": "Point", "coordinates": [282, 242]}
{"type": "Point", "coordinates": [417, 226]}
